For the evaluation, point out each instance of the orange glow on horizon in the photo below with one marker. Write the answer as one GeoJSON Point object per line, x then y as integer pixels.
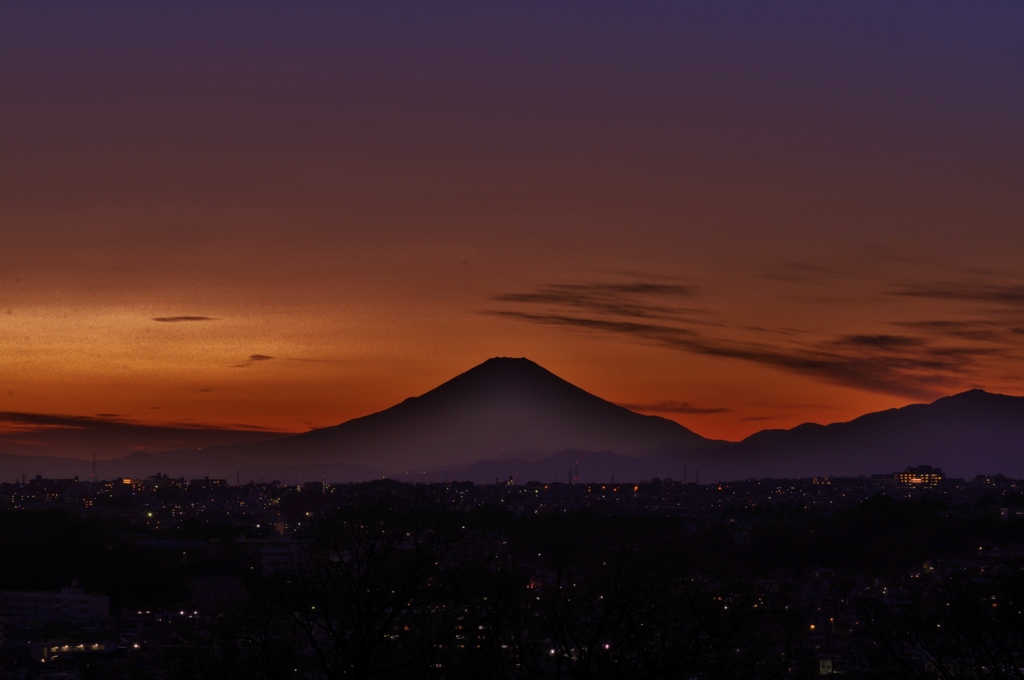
{"type": "Point", "coordinates": [681, 209]}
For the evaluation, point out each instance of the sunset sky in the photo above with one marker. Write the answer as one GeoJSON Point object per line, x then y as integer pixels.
{"type": "Point", "coordinates": [279, 216]}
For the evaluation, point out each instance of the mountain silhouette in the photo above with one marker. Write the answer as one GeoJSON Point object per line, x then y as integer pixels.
{"type": "Point", "coordinates": [971, 433]}
{"type": "Point", "coordinates": [512, 417]}
{"type": "Point", "coordinates": [967, 434]}
{"type": "Point", "coordinates": [503, 407]}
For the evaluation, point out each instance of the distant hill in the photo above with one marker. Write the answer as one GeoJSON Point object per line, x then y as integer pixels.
{"type": "Point", "coordinates": [512, 417]}
{"type": "Point", "coordinates": [971, 433]}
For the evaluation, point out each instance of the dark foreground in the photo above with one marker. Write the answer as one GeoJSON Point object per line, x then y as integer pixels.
{"type": "Point", "coordinates": [383, 580]}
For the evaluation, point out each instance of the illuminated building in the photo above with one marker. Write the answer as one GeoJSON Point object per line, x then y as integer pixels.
{"type": "Point", "coordinates": [920, 476]}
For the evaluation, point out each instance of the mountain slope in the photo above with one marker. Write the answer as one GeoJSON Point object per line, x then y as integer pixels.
{"type": "Point", "coordinates": [967, 434]}
{"type": "Point", "coordinates": [971, 433]}
{"type": "Point", "coordinates": [501, 407]}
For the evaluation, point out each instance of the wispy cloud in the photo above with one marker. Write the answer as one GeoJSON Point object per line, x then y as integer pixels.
{"type": "Point", "coordinates": [992, 303]}
{"type": "Point", "coordinates": [102, 421]}
{"type": "Point", "coordinates": [674, 407]}
{"type": "Point", "coordinates": [1011, 294]}
{"type": "Point", "coordinates": [979, 330]}
{"type": "Point", "coordinates": [878, 342]}
{"type": "Point", "coordinates": [56, 420]}
{"type": "Point", "coordinates": [253, 359]}
{"type": "Point", "coordinates": [910, 365]}
{"type": "Point", "coordinates": [179, 319]}
{"type": "Point", "coordinates": [114, 436]}
{"type": "Point", "coordinates": [641, 300]}
{"type": "Point", "coordinates": [256, 358]}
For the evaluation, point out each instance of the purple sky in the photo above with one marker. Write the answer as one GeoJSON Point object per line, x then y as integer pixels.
{"type": "Point", "coordinates": [768, 213]}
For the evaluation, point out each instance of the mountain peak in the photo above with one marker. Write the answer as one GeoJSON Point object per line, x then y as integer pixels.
{"type": "Point", "coordinates": [509, 361]}
{"type": "Point", "coordinates": [508, 375]}
{"type": "Point", "coordinates": [510, 365]}
{"type": "Point", "coordinates": [973, 395]}
{"type": "Point", "coordinates": [502, 406]}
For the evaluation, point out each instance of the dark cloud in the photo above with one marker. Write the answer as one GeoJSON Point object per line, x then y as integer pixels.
{"type": "Point", "coordinates": [643, 330]}
{"type": "Point", "coordinates": [111, 437]}
{"type": "Point", "coordinates": [52, 420]}
{"type": "Point", "coordinates": [177, 319]}
{"type": "Point", "coordinates": [978, 330]}
{"type": "Point", "coordinates": [674, 407]}
{"type": "Point", "coordinates": [1011, 294]}
{"type": "Point", "coordinates": [887, 342]}
{"type": "Point", "coordinates": [909, 369]}
{"type": "Point", "coordinates": [643, 299]}
{"type": "Point", "coordinates": [911, 366]}
{"type": "Point", "coordinates": [777, 331]}
{"type": "Point", "coordinates": [253, 358]}
{"type": "Point", "coordinates": [102, 421]}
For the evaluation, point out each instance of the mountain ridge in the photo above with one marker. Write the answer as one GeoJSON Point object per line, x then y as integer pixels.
{"type": "Point", "coordinates": [512, 414]}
